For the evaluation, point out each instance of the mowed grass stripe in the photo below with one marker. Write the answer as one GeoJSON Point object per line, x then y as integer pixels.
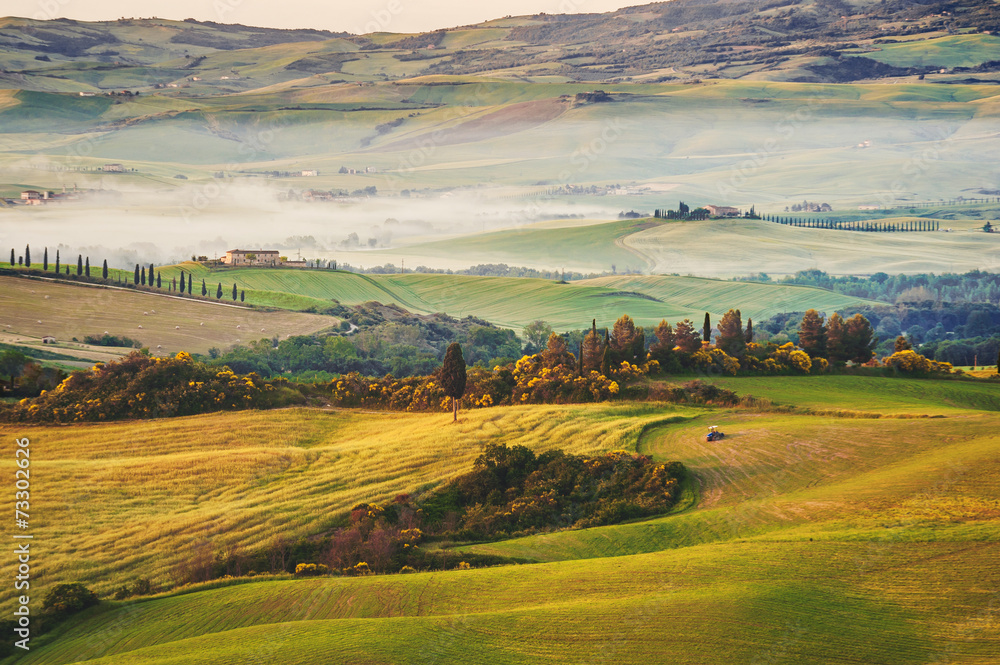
{"type": "Point", "coordinates": [704, 604]}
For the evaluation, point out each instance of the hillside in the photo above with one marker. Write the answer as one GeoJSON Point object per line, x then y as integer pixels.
{"type": "Point", "coordinates": [685, 38]}
{"type": "Point", "coordinates": [810, 538]}
{"type": "Point", "coordinates": [515, 302]}
{"type": "Point", "coordinates": [32, 309]}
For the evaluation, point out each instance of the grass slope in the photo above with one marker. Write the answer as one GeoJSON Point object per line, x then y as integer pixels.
{"type": "Point", "coordinates": [128, 500]}
{"type": "Point", "coordinates": [813, 539]}
{"type": "Point", "coordinates": [35, 308]}
{"type": "Point", "coordinates": [515, 302]}
{"type": "Point", "coordinates": [755, 246]}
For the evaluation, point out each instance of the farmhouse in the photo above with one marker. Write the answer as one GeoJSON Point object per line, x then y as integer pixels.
{"type": "Point", "coordinates": [252, 257]}
{"type": "Point", "coordinates": [310, 173]}
{"type": "Point", "coordinates": [722, 211]}
{"type": "Point", "coordinates": [33, 195]}
{"type": "Point", "coordinates": [48, 339]}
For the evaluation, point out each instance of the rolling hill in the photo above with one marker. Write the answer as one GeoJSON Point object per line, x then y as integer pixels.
{"type": "Point", "coordinates": [32, 309]}
{"type": "Point", "coordinates": [811, 538]}
{"type": "Point", "coordinates": [515, 302]}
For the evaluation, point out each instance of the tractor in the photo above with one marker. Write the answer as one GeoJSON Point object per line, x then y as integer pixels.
{"type": "Point", "coordinates": [714, 434]}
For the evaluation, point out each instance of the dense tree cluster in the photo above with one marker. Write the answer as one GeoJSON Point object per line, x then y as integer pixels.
{"type": "Point", "coordinates": [511, 490]}
{"type": "Point", "coordinates": [973, 286]}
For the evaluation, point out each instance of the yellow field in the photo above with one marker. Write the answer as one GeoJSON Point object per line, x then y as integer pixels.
{"type": "Point", "coordinates": [805, 539]}
{"type": "Point", "coordinates": [116, 502]}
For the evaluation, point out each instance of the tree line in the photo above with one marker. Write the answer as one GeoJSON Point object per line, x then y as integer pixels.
{"type": "Point", "coordinates": [866, 226]}
{"type": "Point", "coordinates": [142, 277]}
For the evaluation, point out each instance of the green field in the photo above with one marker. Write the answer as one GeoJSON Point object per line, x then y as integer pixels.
{"type": "Point", "coordinates": [951, 51]}
{"type": "Point", "coordinates": [515, 302]}
{"type": "Point", "coordinates": [757, 246]}
{"type": "Point", "coordinates": [33, 309]}
{"type": "Point", "coordinates": [809, 538]}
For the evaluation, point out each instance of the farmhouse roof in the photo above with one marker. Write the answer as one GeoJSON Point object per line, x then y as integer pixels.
{"type": "Point", "coordinates": [253, 251]}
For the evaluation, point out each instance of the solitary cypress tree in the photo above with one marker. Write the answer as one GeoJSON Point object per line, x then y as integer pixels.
{"type": "Point", "coordinates": [204, 288]}
{"type": "Point", "coordinates": [57, 261]}
{"type": "Point", "coordinates": [135, 279]}
{"type": "Point", "coordinates": [45, 259]}
{"type": "Point", "coordinates": [235, 292]}
{"type": "Point", "coordinates": [706, 330]}
{"type": "Point", "coordinates": [218, 291]}
{"type": "Point", "coordinates": [453, 376]}
{"type": "Point", "coordinates": [86, 268]}
{"type": "Point", "coordinates": [79, 264]}
{"type": "Point", "coordinates": [104, 269]}
{"type": "Point", "coordinates": [12, 261]}
{"type": "Point", "coordinates": [27, 256]}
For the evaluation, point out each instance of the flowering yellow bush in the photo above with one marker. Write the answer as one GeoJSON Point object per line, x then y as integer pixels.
{"type": "Point", "coordinates": [911, 362]}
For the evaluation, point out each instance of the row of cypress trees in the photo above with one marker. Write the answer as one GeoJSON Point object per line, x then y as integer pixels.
{"type": "Point", "coordinates": [141, 277]}
{"type": "Point", "coordinates": [867, 226]}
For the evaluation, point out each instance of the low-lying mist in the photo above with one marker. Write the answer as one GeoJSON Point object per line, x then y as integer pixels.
{"type": "Point", "coordinates": [164, 227]}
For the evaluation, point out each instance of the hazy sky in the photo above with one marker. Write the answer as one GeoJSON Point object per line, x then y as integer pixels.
{"type": "Point", "coordinates": [360, 16]}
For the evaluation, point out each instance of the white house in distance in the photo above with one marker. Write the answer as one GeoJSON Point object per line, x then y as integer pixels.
{"type": "Point", "coordinates": [252, 257]}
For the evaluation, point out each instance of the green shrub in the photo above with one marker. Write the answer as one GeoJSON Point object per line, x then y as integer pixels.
{"type": "Point", "coordinates": [67, 599]}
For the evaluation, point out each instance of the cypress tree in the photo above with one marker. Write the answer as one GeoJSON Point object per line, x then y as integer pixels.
{"type": "Point", "coordinates": [159, 284]}
{"type": "Point", "coordinates": [151, 274]}
{"type": "Point", "coordinates": [45, 259]}
{"type": "Point", "coordinates": [104, 269]}
{"type": "Point", "coordinates": [235, 292]}
{"type": "Point", "coordinates": [243, 295]}
{"type": "Point", "coordinates": [87, 267]}
{"type": "Point", "coordinates": [204, 288]}
{"type": "Point", "coordinates": [190, 284]}
{"type": "Point", "coordinates": [142, 275]}
{"type": "Point", "coordinates": [706, 330]}
{"type": "Point", "coordinates": [27, 256]}
{"type": "Point", "coordinates": [67, 270]}
{"type": "Point", "coordinates": [218, 291]}
{"type": "Point", "coordinates": [57, 261]}
{"type": "Point", "coordinates": [182, 281]}
{"type": "Point", "coordinates": [12, 261]}
{"type": "Point", "coordinates": [135, 279]}
{"type": "Point", "coordinates": [749, 336]}
{"type": "Point", "coordinates": [79, 264]}
{"type": "Point", "coordinates": [173, 286]}
{"type": "Point", "coordinates": [453, 376]}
